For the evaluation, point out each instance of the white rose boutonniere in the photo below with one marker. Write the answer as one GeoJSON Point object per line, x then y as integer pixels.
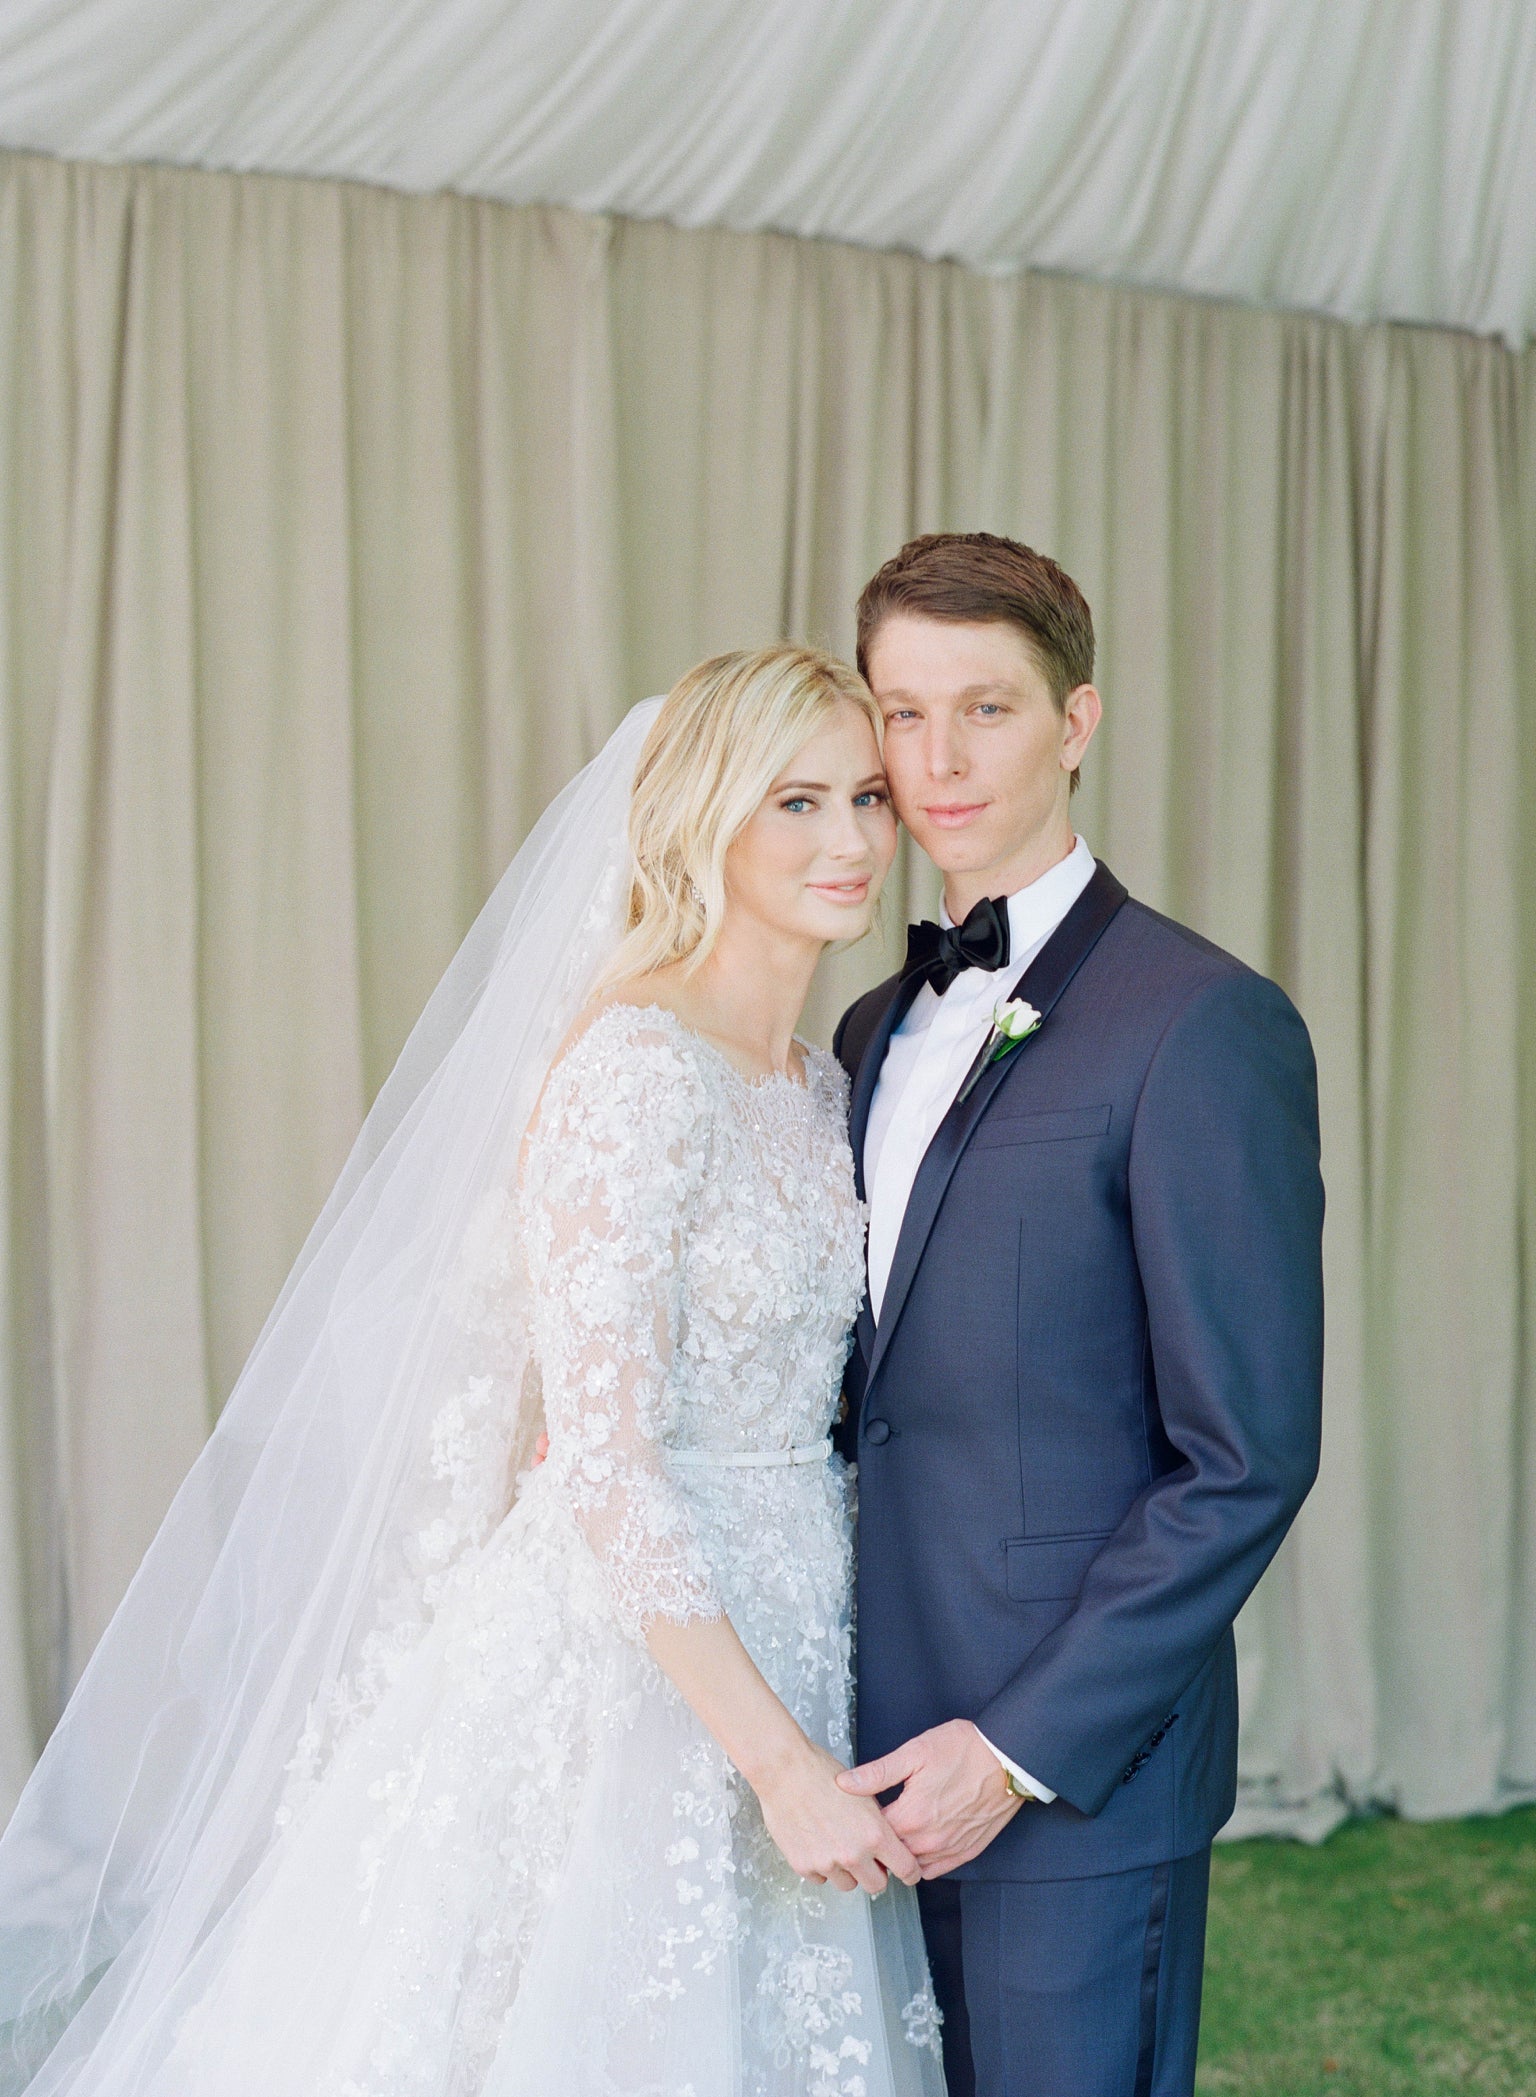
{"type": "Point", "coordinates": [1012, 1025]}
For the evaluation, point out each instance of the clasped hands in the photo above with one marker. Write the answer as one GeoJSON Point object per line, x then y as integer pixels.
{"type": "Point", "coordinates": [954, 1799]}
{"type": "Point", "coordinates": [825, 1819]}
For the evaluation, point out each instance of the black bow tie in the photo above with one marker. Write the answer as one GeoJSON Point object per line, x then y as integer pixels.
{"type": "Point", "coordinates": [939, 953]}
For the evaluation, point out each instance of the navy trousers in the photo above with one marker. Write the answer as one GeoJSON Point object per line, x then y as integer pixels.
{"type": "Point", "coordinates": [1070, 1987]}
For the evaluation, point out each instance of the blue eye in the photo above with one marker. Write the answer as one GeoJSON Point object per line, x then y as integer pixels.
{"type": "Point", "coordinates": [794, 806]}
{"type": "Point", "coordinates": [875, 798]}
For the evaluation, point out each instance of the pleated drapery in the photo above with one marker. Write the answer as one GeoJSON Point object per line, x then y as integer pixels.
{"type": "Point", "coordinates": [338, 527]}
{"type": "Point", "coordinates": [1329, 156]}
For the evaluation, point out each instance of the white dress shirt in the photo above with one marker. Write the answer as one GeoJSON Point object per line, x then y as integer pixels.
{"type": "Point", "coordinates": [935, 1046]}
{"type": "Point", "coordinates": [925, 1065]}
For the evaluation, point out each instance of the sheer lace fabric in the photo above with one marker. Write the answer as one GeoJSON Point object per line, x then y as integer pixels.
{"type": "Point", "coordinates": [511, 1860]}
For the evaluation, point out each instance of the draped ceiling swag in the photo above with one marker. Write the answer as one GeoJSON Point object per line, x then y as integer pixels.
{"type": "Point", "coordinates": [1373, 159]}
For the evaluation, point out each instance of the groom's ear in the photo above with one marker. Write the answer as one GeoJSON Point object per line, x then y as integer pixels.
{"type": "Point", "coordinates": [1081, 715]}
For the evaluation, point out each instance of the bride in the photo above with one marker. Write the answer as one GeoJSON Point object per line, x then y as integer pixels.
{"type": "Point", "coordinates": [408, 1771]}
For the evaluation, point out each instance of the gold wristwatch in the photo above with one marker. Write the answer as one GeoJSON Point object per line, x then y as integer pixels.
{"type": "Point", "coordinates": [1018, 1790]}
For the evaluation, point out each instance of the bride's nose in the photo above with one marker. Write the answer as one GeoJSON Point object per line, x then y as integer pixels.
{"type": "Point", "coordinates": [847, 841]}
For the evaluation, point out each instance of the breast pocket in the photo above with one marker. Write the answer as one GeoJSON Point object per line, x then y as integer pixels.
{"type": "Point", "coordinates": [1051, 1569]}
{"type": "Point", "coordinates": [1048, 1125]}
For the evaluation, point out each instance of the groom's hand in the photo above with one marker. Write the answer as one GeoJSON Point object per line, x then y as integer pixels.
{"type": "Point", "coordinates": [954, 1796]}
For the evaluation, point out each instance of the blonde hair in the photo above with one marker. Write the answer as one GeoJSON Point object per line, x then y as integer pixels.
{"type": "Point", "coordinates": [725, 732]}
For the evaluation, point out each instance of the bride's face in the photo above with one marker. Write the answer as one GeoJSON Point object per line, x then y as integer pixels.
{"type": "Point", "coordinates": [811, 861]}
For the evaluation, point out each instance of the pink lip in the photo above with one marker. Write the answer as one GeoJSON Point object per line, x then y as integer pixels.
{"type": "Point", "coordinates": [840, 892]}
{"type": "Point", "coordinates": [953, 816]}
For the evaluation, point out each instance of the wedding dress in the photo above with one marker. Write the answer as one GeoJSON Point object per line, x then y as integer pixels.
{"type": "Point", "coordinates": [371, 1788]}
{"type": "Point", "coordinates": [529, 1869]}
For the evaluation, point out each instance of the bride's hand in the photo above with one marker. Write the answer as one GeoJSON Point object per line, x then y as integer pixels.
{"type": "Point", "coordinates": [819, 1837]}
{"type": "Point", "coordinates": [824, 1833]}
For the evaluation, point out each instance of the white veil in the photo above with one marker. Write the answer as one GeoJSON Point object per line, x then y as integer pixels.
{"type": "Point", "coordinates": [298, 1560]}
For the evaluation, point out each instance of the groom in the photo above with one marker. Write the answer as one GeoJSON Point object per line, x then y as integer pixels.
{"type": "Point", "coordinates": [1084, 1397]}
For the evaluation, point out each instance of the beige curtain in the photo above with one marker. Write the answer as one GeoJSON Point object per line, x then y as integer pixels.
{"type": "Point", "coordinates": [337, 527]}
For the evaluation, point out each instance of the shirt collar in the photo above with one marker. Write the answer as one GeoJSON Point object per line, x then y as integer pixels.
{"type": "Point", "coordinates": [1035, 912]}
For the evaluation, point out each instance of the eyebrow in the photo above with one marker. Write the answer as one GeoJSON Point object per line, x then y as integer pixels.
{"type": "Point", "coordinates": [969, 691]}
{"type": "Point", "coordinates": [820, 786]}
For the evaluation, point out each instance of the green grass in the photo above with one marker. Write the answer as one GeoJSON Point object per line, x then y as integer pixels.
{"type": "Point", "coordinates": [1394, 1961]}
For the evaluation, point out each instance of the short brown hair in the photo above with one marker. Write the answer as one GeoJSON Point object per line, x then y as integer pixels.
{"type": "Point", "coordinates": [978, 576]}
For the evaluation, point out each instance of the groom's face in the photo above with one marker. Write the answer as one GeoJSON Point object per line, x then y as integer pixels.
{"type": "Point", "coordinates": [978, 753]}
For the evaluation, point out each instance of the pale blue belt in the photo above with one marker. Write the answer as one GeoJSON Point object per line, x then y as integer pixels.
{"type": "Point", "coordinates": [755, 1459]}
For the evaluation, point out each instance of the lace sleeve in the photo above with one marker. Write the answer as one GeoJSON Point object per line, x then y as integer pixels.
{"type": "Point", "coordinates": [611, 1172]}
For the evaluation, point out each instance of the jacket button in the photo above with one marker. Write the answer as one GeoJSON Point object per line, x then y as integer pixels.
{"type": "Point", "coordinates": [877, 1431]}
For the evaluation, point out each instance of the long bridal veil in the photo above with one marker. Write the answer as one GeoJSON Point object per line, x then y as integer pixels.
{"type": "Point", "coordinates": [298, 1562]}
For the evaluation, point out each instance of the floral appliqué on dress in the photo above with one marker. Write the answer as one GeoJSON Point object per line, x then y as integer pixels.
{"type": "Point", "coordinates": [512, 1860]}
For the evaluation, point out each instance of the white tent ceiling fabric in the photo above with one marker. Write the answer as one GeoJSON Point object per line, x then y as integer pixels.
{"type": "Point", "coordinates": [1372, 159]}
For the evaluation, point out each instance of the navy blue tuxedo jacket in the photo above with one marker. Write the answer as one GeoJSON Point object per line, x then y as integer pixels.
{"type": "Point", "coordinates": [1092, 1407]}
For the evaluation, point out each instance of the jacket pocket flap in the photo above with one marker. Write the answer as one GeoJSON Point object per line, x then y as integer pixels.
{"type": "Point", "coordinates": [1052, 1569]}
{"type": "Point", "coordinates": [1052, 1125]}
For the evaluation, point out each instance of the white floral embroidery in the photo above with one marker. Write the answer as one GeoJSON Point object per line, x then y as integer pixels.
{"type": "Point", "coordinates": [923, 2022]}
{"type": "Point", "coordinates": [503, 1768]}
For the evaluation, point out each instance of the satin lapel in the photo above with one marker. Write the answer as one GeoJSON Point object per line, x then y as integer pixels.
{"type": "Point", "coordinates": [865, 1079]}
{"type": "Point", "coordinates": [1042, 983]}
{"type": "Point", "coordinates": [897, 1008]}
{"type": "Point", "coordinates": [864, 1329]}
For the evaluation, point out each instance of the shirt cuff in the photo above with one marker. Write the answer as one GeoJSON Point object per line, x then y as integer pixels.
{"type": "Point", "coordinates": [1036, 1790]}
